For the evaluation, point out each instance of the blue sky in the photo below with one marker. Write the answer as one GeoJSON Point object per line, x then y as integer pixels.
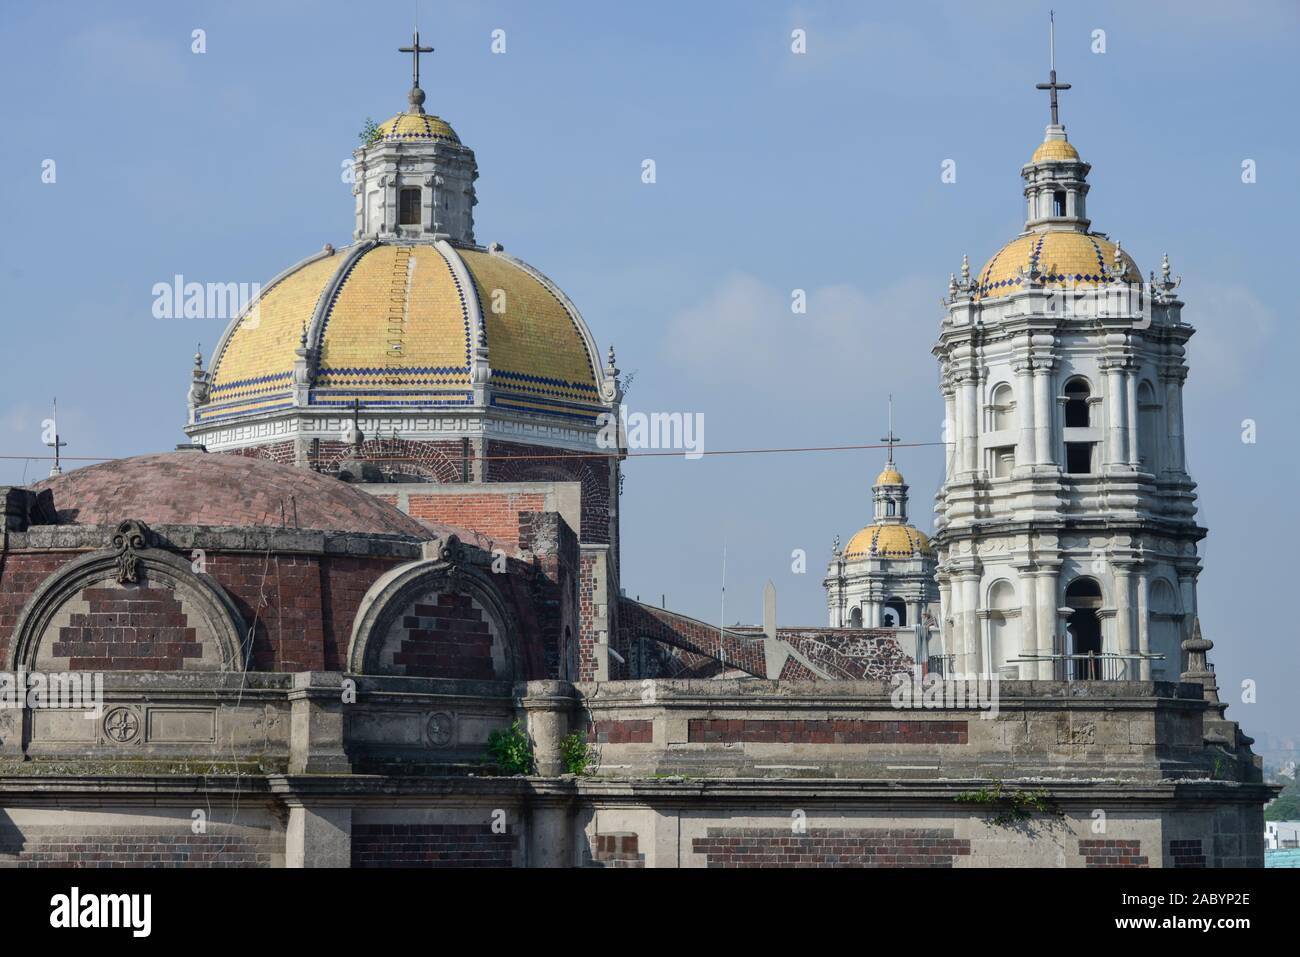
{"type": "Point", "coordinates": [775, 172]}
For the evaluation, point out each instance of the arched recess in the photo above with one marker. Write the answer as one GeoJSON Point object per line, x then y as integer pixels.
{"type": "Point", "coordinates": [1003, 627]}
{"type": "Point", "coordinates": [1149, 427]}
{"type": "Point", "coordinates": [855, 617]}
{"type": "Point", "coordinates": [1083, 597]}
{"type": "Point", "coordinates": [1166, 630]}
{"type": "Point", "coordinates": [1077, 392]}
{"type": "Point", "coordinates": [1002, 408]}
{"type": "Point", "coordinates": [436, 618]}
{"type": "Point", "coordinates": [192, 623]}
{"type": "Point", "coordinates": [894, 613]}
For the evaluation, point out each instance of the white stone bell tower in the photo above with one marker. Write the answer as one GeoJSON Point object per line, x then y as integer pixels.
{"type": "Point", "coordinates": [414, 180]}
{"type": "Point", "coordinates": [1066, 526]}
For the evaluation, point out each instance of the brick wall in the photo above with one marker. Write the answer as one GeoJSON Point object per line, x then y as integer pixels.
{"type": "Point", "coordinates": [1113, 853]}
{"type": "Point", "coordinates": [446, 638]}
{"type": "Point", "coordinates": [431, 845]}
{"type": "Point", "coordinates": [832, 731]}
{"type": "Point", "coordinates": [848, 847]}
{"type": "Point", "coordinates": [479, 509]}
{"type": "Point", "coordinates": [513, 462]}
{"type": "Point", "coordinates": [20, 575]}
{"type": "Point", "coordinates": [1186, 854]}
{"type": "Point", "coordinates": [632, 731]}
{"type": "Point", "coordinates": [128, 629]}
{"type": "Point", "coordinates": [637, 620]}
{"type": "Point", "coordinates": [118, 846]}
{"type": "Point", "coordinates": [303, 605]}
{"type": "Point", "coordinates": [619, 849]}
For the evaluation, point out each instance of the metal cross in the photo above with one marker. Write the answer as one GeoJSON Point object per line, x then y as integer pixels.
{"type": "Point", "coordinates": [1052, 84]}
{"type": "Point", "coordinates": [891, 439]}
{"type": "Point", "coordinates": [57, 468]}
{"type": "Point", "coordinates": [415, 50]}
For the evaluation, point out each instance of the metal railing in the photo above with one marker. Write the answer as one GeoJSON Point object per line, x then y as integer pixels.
{"type": "Point", "coordinates": [1095, 666]}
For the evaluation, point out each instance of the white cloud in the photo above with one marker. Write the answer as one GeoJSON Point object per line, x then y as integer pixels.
{"type": "Point", "coordinates": [1233, 329]}
{"type": "Point", "coordinates": [850, 342]}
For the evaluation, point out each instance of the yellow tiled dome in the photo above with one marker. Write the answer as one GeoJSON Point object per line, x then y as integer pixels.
{"type": "Point", "coordinates": [888, 541]}
{"type": "Point", "coordinates": [416, 127]}
{"type": "Point", "coordinates": [1065, 257]}
{"type": "Point", "coordinates": [890, 476]}
{"type": "Point", "coordinates": [1054, 150]}
{"type": "Point", "coordinates": [394, 325]}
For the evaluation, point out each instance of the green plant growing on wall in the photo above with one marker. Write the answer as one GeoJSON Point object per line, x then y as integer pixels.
{"type": "Point", "coordinates": [511, 749]}
{"type": "Point", "coordinates": [577, 754]}
{"type": "Point", "coordinates": [1012, 807]}
{"type": "Point", "coordinates": [369, 132]}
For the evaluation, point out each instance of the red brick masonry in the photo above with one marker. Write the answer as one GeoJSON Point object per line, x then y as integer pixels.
{"type": "Point", "coordinates": [1112, 853]}
{"type": "Point", "coordinates": [446, 640]}
{"type": "Point", "coordinates": [431, 845]}
{"type": "Point", "coordinates": [114, 846]}
{"type": "Point", "coordinates": [833, 731]}
{"type": "Point", "coordinates": [616, 850]}
{"type": "Point", "coordinates": [1186, 854]}
{"type": "Point", "coordinates": [865, 847]}
{"type": "Point", "coordinates": [128, 629]}
{"type": "Point", "coordinates": [635, 731]}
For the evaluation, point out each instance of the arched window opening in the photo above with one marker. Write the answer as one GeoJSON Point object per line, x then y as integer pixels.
{"type": "Point", "coordinates": [1083, 628]}
{"type": "Point", "coordinates": [855, 618]}
{"type": "Point", "coordinates": [409, 207]}
{"type": "Point", "coordinates": [1077, 394]}
{"type": "Point", "coordinates": [895, 613]}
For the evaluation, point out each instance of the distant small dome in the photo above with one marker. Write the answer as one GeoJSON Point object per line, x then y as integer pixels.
{"type": "Point", "coordinates": [888, 541]}
{"type": "Point", "coordinates": [890, 476]}
{"type": "Point", "coordinates": [418, 128]}
{"type": "Point", "coordinates": [1050, 150]}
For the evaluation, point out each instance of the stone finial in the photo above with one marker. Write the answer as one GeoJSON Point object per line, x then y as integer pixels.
{"type": "Point", "coordinates": [198, 382]}
{"type": "Point", "coordinates": [1198, 665]}
{"type": "Point", "coordinates": [835, 547]}
{"type": "Point", "coordinates": [952, 285]}
{"type": "Point", "coordinates": [1164, 268]}
{"type": "Point", "coordinates": [965, 271]}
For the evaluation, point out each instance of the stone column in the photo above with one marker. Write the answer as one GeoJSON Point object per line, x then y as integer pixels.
{"type": "Point", "coordinates": [1174, 417]}
{"type": "Point", "coordinates": [970, 584]}
{"type": "Point", "coordinates": [1124, 616]}
{"type": "Point", "coordinates": [1115, 451]}
{"type": "Point", "coordinates": [952, 443]}
{"type": "Point", "coordinates": [316, 724]}
{"type": "Point", "coordinates": [970, 423]}
{"type": "Point", "coordinates": [1025, 452]}
{"type": "Point", "coordinates": [950, 616]}
{"type": "Point", "coordinates": [1028, 623]}
{"type": "Point", "coordinates": [318, 836]}
{"type": "Point", "coordinates": [1130, 407]}
{"type": "Point", "coordinates": [1144, 622]}
{"type": "Point", "coordinates": [1043, 450]}
{"type": "Point", "coordinates": [546, 707]}
{"type": "Point", "coordinates": [1045, 582]}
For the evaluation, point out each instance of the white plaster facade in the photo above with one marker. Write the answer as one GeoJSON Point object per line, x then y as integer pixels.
{"type": "Point", "coordinates": [1066, 470]}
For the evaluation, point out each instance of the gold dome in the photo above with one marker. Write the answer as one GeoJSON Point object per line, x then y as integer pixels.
{"type": "Point", "coordinates": [416, 128]}
{"type": "Point", "coordinates": [1066, 257]}
{"type": "Point", "coordinates": [890, 476]}
{"type": "Point", "coordinates": [1054, 150]}
{"type": "Point", "coordinates": [395, 325]}
{"type": "Point", "coordinates": [888, 541]}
